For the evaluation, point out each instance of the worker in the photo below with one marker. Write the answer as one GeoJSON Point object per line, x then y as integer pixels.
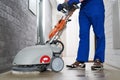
{"type": "Point", "coordinates": [92, 12]}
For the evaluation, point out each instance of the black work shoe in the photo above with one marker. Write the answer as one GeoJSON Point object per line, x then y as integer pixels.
{"type": "Point", "coordinates": [97, 65]}
{"type": "Point", "coordinates": [77, 65]}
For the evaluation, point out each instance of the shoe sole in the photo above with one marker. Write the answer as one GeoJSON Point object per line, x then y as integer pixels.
{"type": "Point", "coordinates": [94, 69]}
{"type": "Point", "coordinates": [70, 67]}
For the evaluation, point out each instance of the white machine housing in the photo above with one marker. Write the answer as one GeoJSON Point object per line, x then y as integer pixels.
{"type": "Point", "coordinates": [32, 55]}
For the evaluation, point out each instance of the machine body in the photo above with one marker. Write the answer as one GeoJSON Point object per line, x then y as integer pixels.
{"type": "Point", "coordinates": [42, 57]}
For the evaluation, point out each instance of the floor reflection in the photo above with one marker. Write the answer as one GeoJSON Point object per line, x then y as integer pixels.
{"type": "Point", "coordinates": [109, 73]}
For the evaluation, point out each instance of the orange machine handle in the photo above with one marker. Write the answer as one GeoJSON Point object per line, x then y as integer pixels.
{"type": "Point", "coordinates": [60, 25]}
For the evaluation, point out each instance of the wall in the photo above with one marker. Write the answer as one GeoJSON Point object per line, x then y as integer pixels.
{"type": "Point", "coordinates": [72, 35]}
{"type": "Point", "coordinates": [17, 30]}
{"type": "Point", "coordinates": [47, 18]}
{"type": "Point", "coordinates": [112, 54]}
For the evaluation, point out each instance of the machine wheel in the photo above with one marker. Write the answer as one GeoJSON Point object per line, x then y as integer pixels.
{"type": "Point", "coordinates": [57, 64]}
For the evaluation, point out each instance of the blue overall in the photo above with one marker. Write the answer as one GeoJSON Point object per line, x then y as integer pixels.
{"type": "Point", "coordinates": [91, 13]}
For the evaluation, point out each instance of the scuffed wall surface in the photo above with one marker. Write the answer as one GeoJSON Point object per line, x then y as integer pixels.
{"type": "Point", "coordinates": [17, 30]}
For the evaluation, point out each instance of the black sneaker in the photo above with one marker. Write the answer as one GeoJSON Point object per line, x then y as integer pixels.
{"type": "Point", "coordinates": [77, 65]}
{"type": "Point", "coordinates": [97, 65]}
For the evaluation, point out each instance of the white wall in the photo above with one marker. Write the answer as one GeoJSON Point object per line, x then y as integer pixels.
{"type": "Point", "coordinates": [112, 54]}
{"type": "Point", "coordinates": [92, 44]}
{"type": "Point", "coordinates": [47, 18]}
{"type": "Point", "coordinates": [72, 35]}
{"type": "Point", "coordinates": [33, 6]}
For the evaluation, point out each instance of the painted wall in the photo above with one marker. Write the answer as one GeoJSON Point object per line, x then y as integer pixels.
{"type": "Point", "coordinates": [47, 18]}
{"type": "Point", "coordinates": [17, 30]}
{"type": "Point", "coordinates": [112, 10]}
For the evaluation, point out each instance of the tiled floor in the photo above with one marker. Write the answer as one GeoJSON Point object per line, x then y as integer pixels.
{"type": "Point", "coordinates": [109, 73]}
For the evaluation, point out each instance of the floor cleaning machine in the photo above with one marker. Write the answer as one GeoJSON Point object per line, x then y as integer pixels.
{"type": "Point", "coordinates": [42, 57]}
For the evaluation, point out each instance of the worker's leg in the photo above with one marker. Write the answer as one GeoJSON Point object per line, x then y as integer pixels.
{"type": "Point", "coordinates": [83, 49]}
{"type": "Point", "coordinates": [98, 27]}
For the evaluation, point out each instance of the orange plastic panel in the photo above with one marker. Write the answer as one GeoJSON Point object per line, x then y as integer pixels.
{"type": "Point", "coordinates": [60, 25]}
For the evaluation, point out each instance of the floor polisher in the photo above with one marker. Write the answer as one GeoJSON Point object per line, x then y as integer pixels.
{"type": "Point", "coordinates": [42, 57]}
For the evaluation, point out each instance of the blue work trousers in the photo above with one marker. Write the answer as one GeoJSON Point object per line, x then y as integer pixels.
{"type": "Point", "coordinates": [91, 14]}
